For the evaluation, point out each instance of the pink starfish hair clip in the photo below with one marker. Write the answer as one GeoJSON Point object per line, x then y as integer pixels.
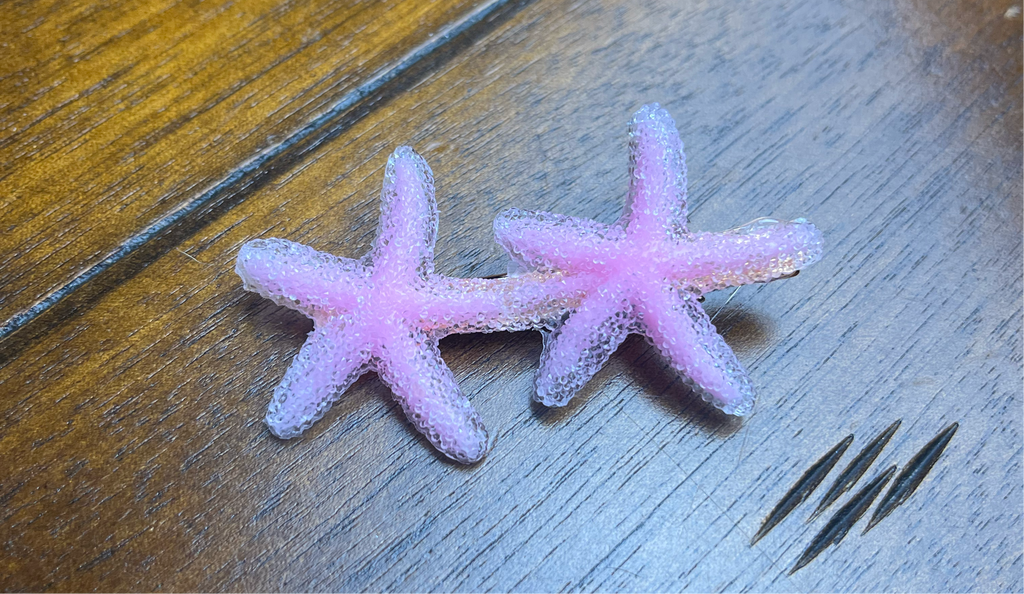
{"type": "Point", "coordinates": [387, 311]}
{"type": "Point", "coordinates": [646, 272]}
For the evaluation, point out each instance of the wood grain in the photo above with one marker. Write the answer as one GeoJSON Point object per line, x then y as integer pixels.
{"type": "Point", "coordinates": [117, 119]}
{"type": "Point", "coordinates": [131, 439]}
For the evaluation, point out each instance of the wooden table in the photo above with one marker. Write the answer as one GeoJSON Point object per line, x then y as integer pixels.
{"type": "Point", "coordinates": [142, 142]}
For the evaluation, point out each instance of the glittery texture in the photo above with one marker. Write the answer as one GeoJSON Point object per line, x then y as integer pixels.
{"type": "Point", "coordinates": [645, 273]}
{"type": "Point", "coordinates": [386, 313]}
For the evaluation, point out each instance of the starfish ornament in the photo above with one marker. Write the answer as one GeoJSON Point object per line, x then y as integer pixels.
{"type": "Point", "coordinates": [646, 272]}
{"type": "Point", "coordinates": [386, 313]}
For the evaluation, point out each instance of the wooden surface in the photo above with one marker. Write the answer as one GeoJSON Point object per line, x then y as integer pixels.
{"type": "Point", "coordinates": [121, 117]}
{"type": "Point", "coordinates": [131, 442]}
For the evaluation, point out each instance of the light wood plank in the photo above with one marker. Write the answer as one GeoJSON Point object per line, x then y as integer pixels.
{"type": "Point", "coordinates": [119, 117]}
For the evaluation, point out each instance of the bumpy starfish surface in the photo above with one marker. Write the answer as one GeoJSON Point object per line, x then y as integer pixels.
{"type": "Point", "coordinates": [386, 313]}
{"type": "Point", "coordinates": [646, 272]}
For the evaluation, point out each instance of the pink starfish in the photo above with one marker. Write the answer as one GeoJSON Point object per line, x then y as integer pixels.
{"type": "Point", "coordinates": [646, 272]}
{"type": "Point", "coordinates": [386, 313]}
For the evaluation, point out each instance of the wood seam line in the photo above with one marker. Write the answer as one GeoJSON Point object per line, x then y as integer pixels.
{"type": "Point", "coordinates": [255, 165]}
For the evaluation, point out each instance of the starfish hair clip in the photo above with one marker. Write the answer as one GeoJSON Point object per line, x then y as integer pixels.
{"type": "Point", "coordinates": [587, 285]}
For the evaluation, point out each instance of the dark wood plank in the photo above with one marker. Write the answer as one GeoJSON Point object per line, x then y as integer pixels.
{"type": "Point", "coordinates": [131, 436]}
{"type": "Point", "coordinates": [116, 117]}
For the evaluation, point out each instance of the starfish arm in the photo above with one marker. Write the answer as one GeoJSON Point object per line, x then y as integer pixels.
{"type": "Point", "coordinates": [676, 324]}
{"type": "Point", "coordinates": [530, 301]}
{"type": "Point", "coordinates": [411, 365]}
{"type": "Point", "coordinates": [299, 277]}
{"type": "Point", "coordinates": [758, 252]}
{"type": "Point", "coordinates": [656, 206]}
{"type": "Point", "coordinates": [577, 349]}
{"type": "Point", "coordinates": [547, 241]}
{"type": "Point", "coordinates": [407, 229]}
{"type": "Point", "coordinates": [330, 361]}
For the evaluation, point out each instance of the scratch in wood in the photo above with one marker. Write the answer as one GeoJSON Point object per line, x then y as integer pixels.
{"type": "Point", "coordinates": [840, 524]}
{"type": "Point", "coordinates": [746, 431]}
{"type": "Point", "coordinates": [803, 488]}
{"type": "Point", "coordinates": [910, 479]}
{"type": "Point", "coordinates": [856, 469]}
{"type": "Point", "coordinates": [190, 257]}
{"type": "Point", "coordinates": [734, 291]}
